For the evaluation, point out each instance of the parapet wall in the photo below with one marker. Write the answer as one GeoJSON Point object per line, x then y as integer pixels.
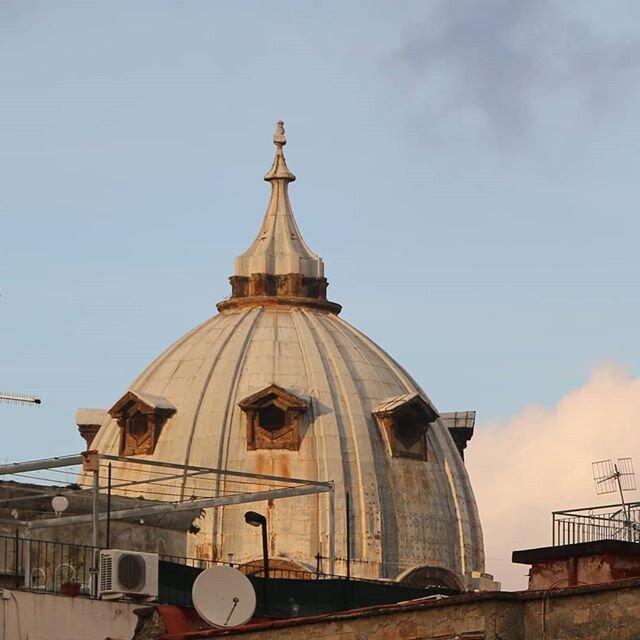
{"type": "Point", "coordinates": [598, 612]}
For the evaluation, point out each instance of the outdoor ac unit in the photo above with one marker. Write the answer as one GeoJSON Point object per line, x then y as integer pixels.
{"type": "Point", "coordinates": [128, 573]}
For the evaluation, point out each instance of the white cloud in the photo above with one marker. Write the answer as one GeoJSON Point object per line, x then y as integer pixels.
{"type": "Point", "coordinates": [540, 461]}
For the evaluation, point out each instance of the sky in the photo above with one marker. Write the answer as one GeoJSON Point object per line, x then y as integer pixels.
{"type": "Point", "coordinates": [467, 170]}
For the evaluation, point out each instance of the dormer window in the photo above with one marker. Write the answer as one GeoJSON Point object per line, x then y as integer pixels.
{"type": "Point", "coordinates": [273, 418]}
{"type": "Point", "coordinates": [140, 417]}
{"type": "Point", "coordinates": [404, 421]}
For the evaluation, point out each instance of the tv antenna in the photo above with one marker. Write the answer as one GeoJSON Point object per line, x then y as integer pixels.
{"type": "Point", "coordinates": [18, 398]}
{"type": "Point", "coordinates": [610, 477]}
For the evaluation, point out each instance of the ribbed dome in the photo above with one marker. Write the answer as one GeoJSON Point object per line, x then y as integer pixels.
{"type": "Point", "coordinates": [356, 412]}
{"type": "Point", "coordinates": [406, 512]}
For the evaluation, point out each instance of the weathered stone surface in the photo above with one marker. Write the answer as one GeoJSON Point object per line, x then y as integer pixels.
{"type": "Point", "coordinates": [579, 613]}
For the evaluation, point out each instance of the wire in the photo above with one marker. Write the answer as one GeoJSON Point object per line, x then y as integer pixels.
{"type": "Point", "coordinates": [546, 597]}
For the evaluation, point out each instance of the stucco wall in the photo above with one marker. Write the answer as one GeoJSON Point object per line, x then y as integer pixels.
{"type": "Point", "coordinates": [41, 616]}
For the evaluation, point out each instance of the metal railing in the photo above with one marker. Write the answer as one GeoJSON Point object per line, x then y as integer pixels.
{"type": "Point", "coordinates": [43, 565]}
{"type": "Point", "coordinates": [609, 522]}
{"type": "Point", "coordinates": [249, 569]}
{"type": "Point", "coordinates": [57, 567]}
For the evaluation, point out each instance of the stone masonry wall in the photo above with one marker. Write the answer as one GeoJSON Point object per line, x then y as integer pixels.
{"type": "Point", "coordinates": [595, 613]}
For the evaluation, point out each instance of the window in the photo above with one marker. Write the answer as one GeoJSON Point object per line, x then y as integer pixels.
{"type": "Point", "coordinates": [141, 418]}
{"type": "Point", "coordinates": [273, 419]}
{"type": "Point", "coordinates": [404, 421]}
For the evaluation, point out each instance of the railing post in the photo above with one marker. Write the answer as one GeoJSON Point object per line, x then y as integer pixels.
{"type": "Point", "coordinates": [16, 560]}
{"type": "Point", "coordinates": [26, 560]}
{"type": "Point", "coordinates": [332, 530]}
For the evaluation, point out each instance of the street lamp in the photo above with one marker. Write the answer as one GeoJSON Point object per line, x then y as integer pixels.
{"type": "Point", "coordinates": [258, 520]}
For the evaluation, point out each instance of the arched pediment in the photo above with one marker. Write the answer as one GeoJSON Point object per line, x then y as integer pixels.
{"type": "Point", "coordinates": [426, 576]}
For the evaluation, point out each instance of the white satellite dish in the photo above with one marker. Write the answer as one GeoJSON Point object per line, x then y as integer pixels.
{"type": "Point", "coordinates": [59, 504]}
{"type": "Point", "coordinates": [223, 597]}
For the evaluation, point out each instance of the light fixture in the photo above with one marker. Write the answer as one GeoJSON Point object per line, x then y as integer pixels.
{"type": "Point", "coordinates": [258, 520]}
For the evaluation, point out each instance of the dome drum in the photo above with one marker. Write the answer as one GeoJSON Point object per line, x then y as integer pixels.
{"type": "Point", "coordinates": [290, 285]}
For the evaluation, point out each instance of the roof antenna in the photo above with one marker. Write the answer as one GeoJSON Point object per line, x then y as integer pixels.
{"type": "Point", "coordinates": [18, 398]}
{"type": "Point", "coordinates": [610, 477]}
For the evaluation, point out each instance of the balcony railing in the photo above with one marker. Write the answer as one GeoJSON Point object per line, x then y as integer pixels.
{"type": "Point", "coordinates": [56, 567]}
{"type": "Point", "coordinates": [45, 565]}
{"type": "Point", "coordinates": [609, 522]}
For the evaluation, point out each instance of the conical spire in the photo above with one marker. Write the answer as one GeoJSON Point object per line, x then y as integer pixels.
{"type": "Point", "coordinates": [279, 267]}
{"type": "Point", "coordinates": [279, 248]}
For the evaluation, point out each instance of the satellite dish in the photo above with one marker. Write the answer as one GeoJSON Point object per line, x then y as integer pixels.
{"type": "Point", "coordinates": [59, 504]}
{"type": "Point", "coordinates": [223, 597]}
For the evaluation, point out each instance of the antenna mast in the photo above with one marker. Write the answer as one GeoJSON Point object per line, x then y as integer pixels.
{"type": "Point", "coordinates": [18, 398]}
{"type": "Point", "coordinates": [609, 477]}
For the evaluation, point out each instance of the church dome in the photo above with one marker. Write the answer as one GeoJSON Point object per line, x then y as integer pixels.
{"type": "Point", "coordinates": [277, 383]}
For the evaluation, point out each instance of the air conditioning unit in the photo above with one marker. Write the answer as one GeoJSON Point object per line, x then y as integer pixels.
{"type": "Point", "coordinates": [128, 573]}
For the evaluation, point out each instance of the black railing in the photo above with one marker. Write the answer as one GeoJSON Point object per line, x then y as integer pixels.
{"type": "Point", "coordinates": [44, 565]}
{"type": "Point", "coordinates": [57, 567]}
{"type": "Point", "coordinates": [609, 522]}
{"type": "Point", "coordinates": [249, 569]}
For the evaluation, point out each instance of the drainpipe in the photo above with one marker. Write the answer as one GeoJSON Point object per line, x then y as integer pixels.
{"type": "Point", "coordinates": [5, 612]}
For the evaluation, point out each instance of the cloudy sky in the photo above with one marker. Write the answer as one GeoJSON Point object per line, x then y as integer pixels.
{"type": "Point", "coordinates": [468, 170]}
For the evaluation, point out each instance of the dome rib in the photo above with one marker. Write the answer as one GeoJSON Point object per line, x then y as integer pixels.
{"type": "Point", "coordinates": [365, 473]}
{"type": "Point", "coordinates": [386, 489]}
{"type": "Point", "coordinates": [215, 358]}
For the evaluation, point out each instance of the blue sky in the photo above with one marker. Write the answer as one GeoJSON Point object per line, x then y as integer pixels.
{"type": "Point", "coordinates": [495, 258]}
{"type": "Point", "coordinates": [468, 172]}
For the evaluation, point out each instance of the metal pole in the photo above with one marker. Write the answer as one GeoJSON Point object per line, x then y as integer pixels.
{"type": "Point", "coordinates": [170, 507]}
{"type": "Point", "coordinates": [96, 524]}
{"type": "Point", "coordinates": [627, 516]}
{"type": "Point", "coordinates": [16, 560]}
{"type": "Point", "coordinates": [26, 553]}
{"type": "Point", "coordinates": [48, 463]}
{"type": "Point", "coordinates": [332, 530]}
{"type": "Point", "coordinates": [214, 470]}
{"type": "Point", "coordinates": [109, 509]}
{"type": "Point", "coordinates": [265, 563]}
{"type": "Point", "coordinates": [348, 536]}
{"type": "Point", "coordinates": [96, 507]}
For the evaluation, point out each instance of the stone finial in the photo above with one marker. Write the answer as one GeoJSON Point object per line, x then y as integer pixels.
{"type": "Point", "coordinates": [279, 169]}
{"type": "Point", "coordinates": [279, 139]}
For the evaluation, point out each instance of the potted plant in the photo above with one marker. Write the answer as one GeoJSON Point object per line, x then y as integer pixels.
{"type": "Point", "coordinates": [70, 588]}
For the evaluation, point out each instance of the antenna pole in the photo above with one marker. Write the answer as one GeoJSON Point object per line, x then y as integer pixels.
{"type": "Point", "coordinates": [625, 510]}
{"type": "Point", "coordinates": [18, 398]}
{"type": "Point", "coordinates": [109, 509]}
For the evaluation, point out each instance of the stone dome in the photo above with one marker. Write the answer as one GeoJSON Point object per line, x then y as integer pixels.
{"type": "Point", "coordinates": [277, 383]}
